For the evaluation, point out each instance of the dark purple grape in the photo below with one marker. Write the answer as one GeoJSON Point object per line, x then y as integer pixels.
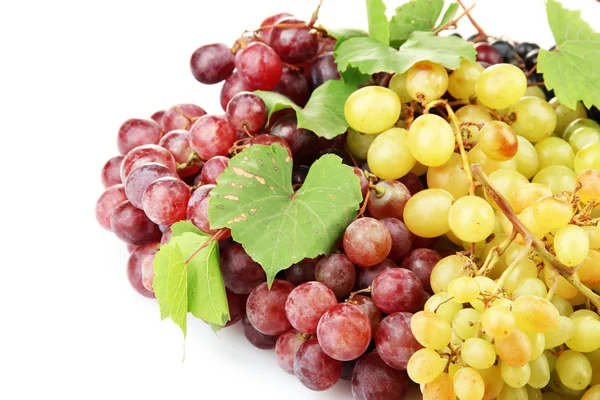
{"type": "Point", "coordinates": [337, 272]}
{"type": "Point", "coordinates": [306, 304]}
{"type": "Point", "coordinates": [246, 112]}
{"type": "Point", "coordinates": [506, 49]}
{"type": "Point", "coordinates": [531, 59]}
{"type": "Point", "coordinates": [524, 47]}
{"type": "Point", "coordinates": [131, 225]}
{"type": "Point", "coordinates": [137, 132]}
{"type": "Point", "coordinates": [365, 276]}
{"type": "Point", "coordinates": [266, 307]}
{"type": "Point", "coordinates": [241, 273]}
{"type": "Point", "coordinates": [364, 183]}
{"type": "Point", "coordinates": [367, 242]}
{"type": "Point", "coordinates": [259, 65]}
{"type": "Point", "coordinates": [315, 369]}
{"type": "Point", "coordinates": [260, 340]}
{"type": "Point", "coordinates": [421, 263]}
{"type": "Point", "coordinates": [299, 174]}
{"type": "Point", "coordinates": [212, 63]}
{"type": "Point", "coordinates": [392, 201]}
{"type": "Point", "coordinates": [302, 142]}
{"type": "Point", "coordinates": [181, 116]}
{"type": "Point", "coordinates": [303, 271]}
{"type": "Point", "coordinates": [488, 54]}
{"type": "Point", "coordinates": [146, 154]}
{"type": "Point", "coordinates": [294, 86]}
{"type": "Point", "coordinates": [211, 136]}
{"type": "Point", "coordinates": [158, 116]}
{"type": "Point", "coordinates": [134, 267]}
{"type": "Point", "coordinates": [394, 340]}
{"type": "Point", "coordinates": [237, 307]}
{"type": "Point", "coordinates": [286, 347]}
{"type": "Point", "coordinates": [294, 45]}
{"type": "Point", "coordinates": [423, 243]}
{"type": "Point", "coordinates": [373, 379]}
{"type": "Point", "coordinates": [212, 169]}
{"type": "Point", "coordinates": [397, 290]}
{"type": "Point", "coordinates": [323, 69]}
{"type": "Point", "coordinates": [368, 307]}
{"type": "Point", "coordinates": [140, 178]}
{"type": "Point", "coordinates": [412, 183]}
{"type": "Point", "coordinates": [107, 203]}
{"type": "Point", "coordinates": [111, 172]}
{"type": "Point", "coordinates": [344, 332]}
{"type": "Point", "coordinates": [267, 140]}
{"type": "Point", "coordinates": [165, 200]}
{"type": "Point", "coordinates": [232, 86]}
{"type": "Point", "coordinates": [265, 34]}
{"type": "Point", "coordinates": [401, 238]}
{"type": "Point", "coordinates": [178, 144]}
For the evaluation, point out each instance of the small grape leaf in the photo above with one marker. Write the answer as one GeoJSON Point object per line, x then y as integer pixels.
{"type": "Point", "coordinates": [379, 28]}
{"type": "Point", "coordinates": [324, 112]}
{"type": "Point", "coordinates": [370, 56]}
{"type": "Point", "coordinates": [572, 69]}
{"type": "Point", "coordinates": [416, 15]}
{"type": "Point", "coordinates": [353, 76]}
{"type": "Point", "coordinates": [342, 34]}
{"type": "Point", "coordinates": [276, 226]}
{"type": "Point", "coordinates": [448, 16]}
{"type": "Point", "coordinates": [178, 228]}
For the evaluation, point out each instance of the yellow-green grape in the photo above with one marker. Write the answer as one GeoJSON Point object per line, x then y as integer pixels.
{"type": "Point", "coordinates": [592, 393]}
{"type": "Point", "coordinates": [514, 348]}
{"type": "Point", "coordinates": [535, 314]}
{"type": "Point", "coordinates": [425, 365]}
{"type": "Point", "coordinates": [535, 118]}
{"type": "Point", "coordinates": [487, 286]}
{"type": "Point", "coordinates": [525, 269]}
{"type": "Point", "coordinates": [587, 335]}
{"type": "Point", "coordinates": [593, 235]}
{"type": "Point", "coordinates": [489, 165]}
{"type": "Point", "coordinates": [563, 289]}
{"type": "Point", "coordinates": [359, 143]}
{"type": "Point", "coordinates": [563, 306]}
{"type": "Point", "coordinates": [538, 344]}
{"type": "Point", "coordinates": [472, 219]}
{"type": "Point", "coordinates": [398, 86]}
{"type": "Point", "coordinates": [571, 245]}
{"type": "Point", "coordinates": [533, 393]}
{"type": "Point", "coordinates": [465, 323]}
{"type": "Point", "coordinates": [589, 271]}
{"type": "Point", "coordinates": [461, 82]}
{"type": "Point", "coordinates": [551, 361]}
{"type": "Point", "coordinates": [501, 86]}
{"type": "Point", "coordinates": [493, 382]}
{"type": "Point", "coordinates": [450, 177]}
{"type": "Point", "coordinates": [554, 151]}
{"type": "Point", "coordinates": [574, 370]}
{"type": "Point", "coordinates": [515, 377]}
{"type": "Point", "coordinates": [528, 163]}
{"type": "Point", "coordinates": [372, 109]}
{"type": "Point", "coordinates": [588, 157]}
{"type": "Point", "coordinates": [512, 252]}
{"type": "Point", "coordinates": [441, 388]}
{"type": "Point", "coordinates": [453, 368]}
{"type": "Point", "coordinates": [498, 141]}
{"type": "Point", "coordinates": [478, 353]}
{"type": "Point", "coordinates": [584, 313]}
{"type": "Point", "coordinates": [589, 182]}
{"type": "Point", "coordinates": [464, 289]}
{"type": "Point", "coordinates": [530, 286]}
{"type": "Point", "coordinates": [389, 155]}
{"type": "Point", "coordinates": [594, 359]}
{"type": "Point", "coordinates": [579, 123]}
{"type": "Point", "coordinates": [552, 213]}
{"type": "Point", "coordinates": [446, 270]}
{"type": "Point", "coordinates": [507, 182]}
{"type": "Point", "coordinates": [561, 333]}
{"type": "Point", "coordinates": [426, 81]}
{"type": "Point", "coordinates": [424, 132]}
{"type": "Point", "coordinates": [528, 195]}
{"type": "Point", "coordinates": [441, 304]}
{"type": "Point", "coordinates": [426, 213]}
{"type": "Point", "coordinates": [557, 178]}
{"type": "Point", "coordinates": [565, 115]}
{"type": "Point", "coordinates": [560, 388]}
{"type": "Point", "coordinates": [528, 219]}
{"type": "Point", "coordinates": [497, 322]}
{"type": "Point", "coordinates": [535, 91]}
{"type": "Point", "coordinates": [475, 114]}
{"type": "Point", "coordinates": [540, 372]}
{"type": "Point", "coordinates": [468, 384]}
{"type": "Point", "coordinates": [431, 330]}
{"type": "Point", "coordinates": [510, 393]}
{"type": "Point", "coordinates": [582, 137]}
{"type": "Point", "coordinates": [419, 169]}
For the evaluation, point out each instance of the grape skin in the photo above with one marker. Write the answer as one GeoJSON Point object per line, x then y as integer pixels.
{"type": "Point", "coordinates": [315, 369]}
{"type": "Point", "coordinates": [373, 379]}
{"type": "Point", "coordinates": [212, 136]}
{"type": "Point", "coordinates": [294, 86]}
{"type": "Point", "coordinates": [426, 213]}
{"type": "Point", "coordinates": [212, 63]}
{"type": "Point", "coordinates": [212, 169]}
{"type": "Point", "coordinates": [240, 273]}
{"type": "Point", "coordinates": [165, 200]}
{"type": "Point", "coordinates": [426, 81]}
{"type": "Point", "coordinates": [177, 142]}
{"type": "Point", "coordinates": [391, 203]}
{"type": "Point", "coordinates": [181, 116]}
{"type": "Point", "coordinates": [107, 203]}
{"type": "Point", "coordinates": [367, 242]}
{"type": "Point", "coordinates": [265, 307]}
{"type": "Point", "coordinates": [397, 290]}
{"type": "Point", "coordinates": [368, 307]}
{"type": "Point", "coordinates": [232, 86]}
{"type": "Point", "coordinates": [294, 45]}
{"type": "Point", "coordinates": [389, 156]}
{"type": "Point", "coordinates": [259, 65]}
{"type": "Point", "coordinates": [256, 338]}
{"type": "Point", "coordinates": [306, 304]}
{"type": "Point", "coordinates": [365, 276]}
{"type": "Point", "coordinates": [323, 69]}
{"type": "Point", "coordinates": [401, 238]}
{"type": "Point", "coordinates": [286, 347]}
{"type": "Point", "coordinates": [372, 109]}
{"type": "Point", "coordinates": [246, 111]}
{"type": "Point", "coordinates": [137, 132]}
{"type": "Point", "coordinates": [146, 154]}
{"type": "Point", "coordinates": [131, 225]}
{"type": "Point", "coordinates": [421, 262]}
{"type": "Point", "coordinates": [337, 273]}
{"type": "Point", "coordinates": [303, 271]}
{"type": "Point", "coordinates": [111, 172]}
{"type": "Point", "coordinates": [395, 341]}
{"type": "Point", "coordinates": [134, 267]}
{"type": "Point", "coordinates": [344, 332]}
{"type": "Point", "coordinates": [140, 178]}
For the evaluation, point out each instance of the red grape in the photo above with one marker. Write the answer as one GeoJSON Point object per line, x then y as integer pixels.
{"type": "Point", "coordinates": [259, 65]}
{"type": "Point", "coordinates": [166, 236]}
{"type": "Point", "coordinates": [211, 136]}
{"type": "Point", "coordinates": [157, 117]}
{"type": "Point", "coordinates": [181, 116]}
{"type": "Point", "coordinates": [294, 86]}
{"type": "Point", "coordinates": [395, 341]}
{"type": "Point", "coordinates": [232, 86]}
{"type": "Point", "coordinates": [131, 247]}
{"type": "Point", "coordinates": [148, 272]}
{"type": "Point", "coordinates": [137, 132]}
{"type": "Point", "coordinates": [134, 267]}
{"type": "Point", "coordinates": [294, 45]}
{"type": "Point", "coordinates": [397, 290]}
{"type": "Point", "coordinates": [246, 112]}
{"type": "Point", "coordinates": [366, 305]}
{"type": "Point", "coordinates": [240, 273]}
{"type": "Point", "coordinates": [237, 307]}
{"type": "Point", "coordinates": [364, 183]}
{"type": "Point", "coordinates": [107, 203]}
{"type": "Point", "coordinates": [488, 54]}
{"type": "Point", "coordinates": [212, 63]}
{"type": "Point", "coordinates": [365, 276]}
{"type": "Point", "coordinates": [373, 379]}
{"type": "Point", "coordinates": [212, 169]}
{"type": "Point", "coordinates": [264, 34]}
{"type": "Point", "coordinates": [131, 225]}
{"type": "Point", "coordinates": [306, 304]}
{"type": "Point", "coordinates": [266, 307]}
{"type": "Point", "coordinates": [260, 340]}
{"type": "Point", "coordinates": [337, 272]}
{"type": "Point", "coordinates": [421, 263]}
{"type": "Point", "coordinates": [177, 142]}
{"type": "Point", "coordinates": [197, 211]}
{"type": "Point", "coordinates": [111, 172]}
{"type": "Point", "coordinates": [302, 271]}
{"type": "Point", "coordinates": [286, 347]}
{"type": "Point", "coordinates": [401, 238]}
{"type": "Point", "coordinates": [344, 332]}
{"type": "Point", "coordinates": [149, 153]}
{"type": "Point", "coordinates": [140, 178]}
{"type": "Point", "coordinates": [367, 242]}
{"type": "Point", "coordinates": [323, 69]}
{"type": "Point", "coordinates": [315, 369]}
{"type": "Point", "coordinates": [391, 203]}
{"type": "Point", "coordinates": [165, 200]}
{"type": "Point", "coordinates": [419, 242]}
{"type": "Point", "coordinates": [412, 183]}
{"type": "Point", "coordinates": [302, 142]}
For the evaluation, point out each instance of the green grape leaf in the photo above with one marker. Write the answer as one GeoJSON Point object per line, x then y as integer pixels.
{"type": "Point", "coordinates": [370, 56]}
{"type": "Point", "coordinates": [572, 70]}
{"type": "Point", "coordinates": [342, 34]}
{"type": "Point", "coordinates": [379, 28]}
{"type": "Point", "coordinates": [324, 112]}
{"type": "Point", "coordinates": [178, 228]}
{"type": "Point", "coordinates": [353, 76]}
{"type": "Point", "coordinates": [276, 226]}
{"type": "Point", "coordinates": [416, 15]}
{"type": "Point", "coordinates": [448, 15]}
{"type": "Point", "coordinates": [176, 289]}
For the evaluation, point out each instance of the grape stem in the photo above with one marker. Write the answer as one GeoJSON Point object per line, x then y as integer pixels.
{"type": "Point", "coordinates": [214, 237]}
{"type": "Point", "coordinates": [481, 33]}
{"type": "Point", "coordinates": [365, 290]}
{"type": "Point", "coordinates": [536, 84]}
{"type": "Point", "coordinates": [315, 15]}
{"type": "Point", "coordinates": [496, 252]}
{"type": "Point", "coordinates": [455, 20]}
{"type": "Point", "coordinates": [193, 159]}
{"type": "Point", "coordinates": [364, 205]}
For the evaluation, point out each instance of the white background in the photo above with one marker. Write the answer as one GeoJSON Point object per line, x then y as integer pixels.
{"type": "Point", "coordinates": [70, 73]}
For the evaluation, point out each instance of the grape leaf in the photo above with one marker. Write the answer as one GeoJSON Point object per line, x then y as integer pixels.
{"type": "Point", "coordinates": [416, 15]}
{"type": "Point", "coordinates": [178, 228]}
{"type": "Point", "coordinates": [176, 289]}
{"type": "Point", "coordinates": [353, 76]}
{"type": "Point", "coordinates": [342, 34]}
{"type": "Point", "coordinates": [324, 112]}
{"type": "Point", "coordinates": [448, 16]}
{"type": "Point", "coordinates": [254, 197]}
{"type": "Point", "coordinates": [572, 69]}
{"type": "Point", "coordinates": [379, 28]}
{"type": "Point", "coordinates": [370, 56]}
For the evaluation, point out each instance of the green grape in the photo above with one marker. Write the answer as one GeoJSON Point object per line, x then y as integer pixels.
{"type": "Point", "coordinates": [431, 330]}
{"type": "Point", "coordinates": [540, 372]}
{"type": "Point", "coordinates": [472, 219]}
{"type": "Point", "coordinates": [579, 123]}
{"type": "Point", "coordinates": [475, 114]}
{"type": "Point", "coordinates": [589, 182]}
{"type": "Point", "coordinates": [592, 393]}
{"type": "Point", "coordinates": [563, 289]}
{"type": "Point", "coordinates": [426, 213]}
{"type": "Point", "coordinates": [425, 365]}
{"type": "Point", "coordinates": [538, 344]}
{"type": "Point", "coordinates": [528, 195]}
{"type": "Point", "coordinates": [594, 359]}
{"type": "Point", "coordinates": [588, 157]}
{"type": "Point", "coordinates": [551, 361]}
{"type": "Point", "coordinates": [515, 377]}
{"type": "Point", "coordinates": [552, 213]}
{"type": "Point", "coordinates": [525, 269]}
{"type": "Point", "coordinates": [372, 109]}
{"type": "Point", "coordinates": [565, 115]}
{"type": "Point", "coordinates": [561, 333]}
{"type": "Point", "coordinates": [582, 137]}
{"type": "Point", "coordinates": [563, 306]}
{"type": "Point", "coordinates": [389, 156]}
{"type": "Point", "coordinates": [464, 289]}
{"type": "Point", "coordinates": [554, 151]}
{"type": "Point", "coordinates": [500, 86]}
{"type": "Point", "coordinates": [574, 370]}
{"type": "Point", "coordinates": [468, 384]}
{"type": "Point", "coordinates": [535, 314]}
{"type": "Point", "coordinates": [461, 82]}
{"type": "Point", "coordinates": [535, 118]}
{"type": "Point", "coordinates": [557, 178]}
{"type": "Point", "coordinates": [426, 130]}
{"type": "Point", "coordinates": [465, 323]}
{"type": "Point", "coordinates": [510, 393]}
{"type": "Point", "coordinates": [426, 81]}
{"type": "Point", "coordinates": [450, 177]}
{"type": "Point", "coordinates": [527, 217]}
{"type": "Point", "coordinates": [493, 382]}
{"type": "Point", "coordinates": [498, 141]}
{"type": "Point", "coordinates": [535, 91]}
{"type": "Point", "coordinates": [584, 313]}
{"type": "Point", "coordinates": [359, 143]}
{"type": "Point", "coordinates": [589, 272]}
{"type": "Point", "coordinates": [478, 353]}
{"type": "Point", "coordinates": [587, 335]}
{"type": "Point", "coordinates": [571, 245]}
{"type": "Point", "coordinates": [446, 270]}
{"type": "Point", "coordinates": [398, 85]}
{"type": "Point", "coordinates": [489, 165]}
{"type": "Point", "coordinates": [530, 286]}
{"type": "Point", "coordinates": [558, 387]}
{"type": "Point", "coordinates": [453, 368]}
{"type": "Point", "coordinates": [507, 182]}
{"type": "Point", "coordinates": [533, 393]}
{"type": "Point", "coordinates": [515, 348]}
{"type": "Point", "coordinates": [440, 304]}
{"type": "Point", "coordinates": [528, 163]}
{"type": "Point", "coordinates": [441, 388]}
{"type": "Point", "coordinates": [497, 322]}
{"type": "Point", "coordinates": [487, 286]}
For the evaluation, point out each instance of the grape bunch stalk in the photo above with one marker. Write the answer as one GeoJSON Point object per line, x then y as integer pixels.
{"type": "Point", "coordinates": [469, 260]}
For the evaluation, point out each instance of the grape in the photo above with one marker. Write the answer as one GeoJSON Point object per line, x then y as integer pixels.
{"type": "Point", "coordinates": [158, 116]}
{"type": "Point", "coordinates": [540, 372]}
{"type": "Point", "coordinates": [131, 225]}
{"type": "Point", "coordinates": [557, 178]}
{"type": "Point", "coordinates": [431, 330]}
{"type": "Point", "coordinates": [488, 54]}
{"type": "Point", "coordinates": [323, 69]}
{"type": "Point", "coordinates": [367, 242]}
{"type": "Point", "coordinates": [294, 45]}
{"type": "Point", "coordinates": [535, 118]}
{"type": "Point", "coordinates": [424, 131]}
{"type": "Point", "coordinates": [237, 307]}
{"type": "Point", "coordinates": [471, 219]}
{"type": "Point", "coordinates": [148, 273]}
{"type": "Point", "coordinates": [412, 183]}
{"type": "Point", "coordinates": [372, 109]}
{"type": "Point", "coordinates": [246, 112]}
{"type": "Point", "coordinates": [373, 379]}
{"type": "Point", "coordinates": [359, 143]}
{"type": "Point", "coordinates": [111, 172]}
{"type": "Point", "coordinates": [165, 200]}
{"type": "Point", "coordinates": [267, 140]}
{"type": "Point", "coordinates": [259, 65]}
{"type": "Point", "coordinates": [401, 238]}
{"type": "Point", "coordinates": [181, 116]}
{"type": "Point", "coordinates": [177, 142]}
{"type": "Point", "coordinates": [389, 155]}
{"type": "Point", "coordinates": [368, 307]}
{"type": "Point", "coordinates": [197, 210]}
{"type": "Point", "coordinates": [426, 81]}
{"type": "Point", "coordinates": [294, 86]}
{"type": "Point", "coordinates": [535, 91]}
{"type": "Point", "coordinates": [137, 132]}
{"type": "Point", "coordinates": [564, 331]}
{"type": "Point", "coordinates": [107, 203]}
{"type": "Point", "coordinates": [535, 314]}
{"type": "Point", "coordinates": [506, 49]}
{"type": "Point", "coordinates": [474, 114]}
{"type": "Point", "coordinates": [574, 370]}
{"type": "Point", "coordinates": [135, 264]}
{"type": "Point", "coordinates": [441, 388]}
{"type": "Point", "coordinates": [144, 155]}
{"type": "Point", "coordinates": [315, 369]}
{"type": "Point", "coordinates": [530, 286]}
{"type": "Point", "coordinates": [562, 305]}
{"type": "Point", "coordinates": [582, 137]}
{"type": "Point", "coordinates": [266, 307]}
{"type": "Point", "coordinates": [565, 115]}
{"type": "Point", "coordinates": [364, 183]}
{"type": "Point", "coordinates": [212, 136]}
{"type": "Point", "coordinates": [337, 273]}
{"type": "Point", "coordinates": [307, 303]}
{"type": "Point", "coordinates": [529, 195]}
{"type": "Point", "coordinates": [391, 203]}
{"type": "Point", "coordinates": [515, 377]}
{"type": "Point", "coordinates": [421, 262]}
{"type": "Point", "coordinates": [240, 273]}
{"type": "Point", "coordinates": [398, 85]}
{"type": "Point", "coordinates": [265, 34]}
{"type": "Point", "coordinates": [589, 272]}
{"type": "Point", "coordinates": [589, 180]}
{"type": "Point", "coordinates": [498, 141]}
{"type": "Point", "coordinates": [426, 213]}
{"type": "Point", "coordinates": [500, 86]}
{"type": "Point", "coordinates": [579, 123]}
{"type": "Point", "coordinates": [440, 304]}
{"type": "Point", "coordinates": [463, 289]}
{"type": "Point", "coordinates": [584, 313]}
{"type": "Point", "coordinates": [468, 384]}
{"type": "Point", "coordinates": [286, 347]}
{"type": "Point", "coordinates": [344, 332]}
{"type": "Point", "coordinates": [509, 393]}
{"type": "Point", "coordinates": [397, 290]}
{"type": "Point", "coordinates": [571, 245]}
{"type": "Point", "coordinates": [514, 349]}
{"type": "Point", "coordinates": [232, 86]}
{"type": "Point", "coordinates": [450, 177]}
{"type": "Point", "coordinates": [493, 382]}
{"type": "Point", "coordinates": [524, 47]}
{"type": "Point", "coordinates": [303, 271]}
{"type": "Point", "coordinates": [212, 169]}
{"type": "Point", "coordinates": [140, 178]}
{"type": "Point", "coordinates": [587, 335]}
{"type": "Point", "coordinates": [425, 365]}
{"type": "Point", "coordinates": [258, 339]}
{"type": "Point", "coordinates": [588, 157]}
{"type": "Point", "coordinates": [365, 276]}
{"type": "Point", "coordinates": [497, 322]}
{"type": "Point", "coordinates": [212, 63]}
{"type": "Point", "coordinates": [554, 151]}
{"type": "Point", "coordinates": [395, 341]}
{"type": "Point", "coordinates": [445, 271]}
{"type": "Point", "coordinates": [302, 142]}
{"type": "Point", "coordinates": [461, 83]}
{"type": "Point", "coordinates": [478, 353]}
{"type": "Point", "coordinates": [465, 323]}
{"type": "Point", "coordinates": [592, 393]}
{"type": "Point", "coordinates": [527, 158]}
{"type": "Point", "coordinates": [489, 165]}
